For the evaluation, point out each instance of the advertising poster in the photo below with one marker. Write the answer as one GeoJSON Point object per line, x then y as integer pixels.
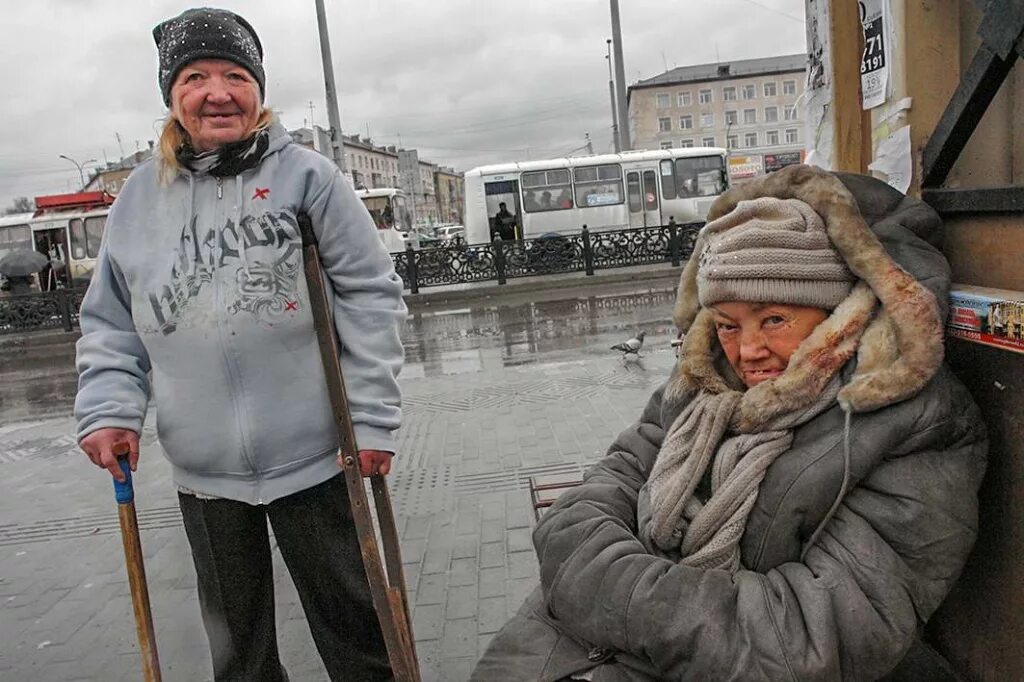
{"type": "Point", "coordinates": [874, 65]}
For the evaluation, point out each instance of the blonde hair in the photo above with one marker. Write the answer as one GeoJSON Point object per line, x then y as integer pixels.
{"type": "Point", "coordinates": [173, 136]}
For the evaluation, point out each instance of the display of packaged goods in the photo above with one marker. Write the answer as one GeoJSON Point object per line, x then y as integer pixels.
{"type": "Point", "coordinates": [994, 317]}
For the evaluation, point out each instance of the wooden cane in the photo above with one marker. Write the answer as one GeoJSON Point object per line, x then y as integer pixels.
{"type": "Point", "coordinates": [389, 597]}
{"type": "Point", "coordinates": [124, 493]}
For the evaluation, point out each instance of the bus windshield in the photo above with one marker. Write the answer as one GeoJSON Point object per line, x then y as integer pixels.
{"type": "Point", "coordinates": [700, 176]}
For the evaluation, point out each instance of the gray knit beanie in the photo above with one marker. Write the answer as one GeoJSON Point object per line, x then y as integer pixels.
{"type": "Point", "coordinates": [206, 33]}
{"type": "Point", "coordinates": [771, 251]}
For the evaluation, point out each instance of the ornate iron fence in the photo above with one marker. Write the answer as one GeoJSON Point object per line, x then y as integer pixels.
{"type": "Point", "coordinates": [459, 263]}
{"type": "Point", "coordinates": [452, 263]}
{"type": "Point", "coordinates": [47, 310]}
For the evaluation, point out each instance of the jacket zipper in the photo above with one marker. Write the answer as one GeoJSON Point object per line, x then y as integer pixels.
{"type": "Point", "coordinates": [229, 363]}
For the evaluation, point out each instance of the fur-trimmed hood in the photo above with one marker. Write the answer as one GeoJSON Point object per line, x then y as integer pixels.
{"type": "Point", "coordinates": [889, 242]}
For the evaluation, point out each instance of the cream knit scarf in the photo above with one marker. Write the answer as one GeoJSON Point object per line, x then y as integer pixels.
{"type": "Point", "coordinates": [720, 429]}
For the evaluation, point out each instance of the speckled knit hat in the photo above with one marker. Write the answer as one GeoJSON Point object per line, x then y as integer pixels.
{"type": "Point", "coordinates": [206, 33]}
{"type": "Point", "coordinates": [771, 251]}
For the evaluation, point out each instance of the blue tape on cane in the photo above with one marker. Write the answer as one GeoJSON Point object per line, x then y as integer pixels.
{"type": "Point", "coordinates": [124, 492]}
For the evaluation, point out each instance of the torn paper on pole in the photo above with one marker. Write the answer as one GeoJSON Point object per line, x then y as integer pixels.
{"type": "Point", "coordinates": [894, 160]}
{"type": "Point", "coordinates": [874, 66]}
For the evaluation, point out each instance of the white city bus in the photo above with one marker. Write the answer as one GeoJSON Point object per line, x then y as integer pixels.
{"type": "Point", "coordinates": [387, 207]}
{"type": "Point", "coordinates": [68, 229]}
{"type": "Point", "coordinates": [604, 192]}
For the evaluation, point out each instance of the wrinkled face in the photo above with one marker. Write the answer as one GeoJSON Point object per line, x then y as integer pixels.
{"type": "Point", "coordinates": [759, 338]}
{"type": "Point", "coordinates": [216, 101]}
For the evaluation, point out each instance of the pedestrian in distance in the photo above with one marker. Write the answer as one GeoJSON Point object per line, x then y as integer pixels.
{"type": "Point", "coordinates": [801, 494]}
{"type": "Point", "coordinates": [198, 301]}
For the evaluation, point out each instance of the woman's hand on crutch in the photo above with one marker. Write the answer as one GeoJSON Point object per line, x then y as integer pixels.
{"type": "Point", "coordinates": [99, 446]}
{"type": "Point", "coordinates": [374, 462]}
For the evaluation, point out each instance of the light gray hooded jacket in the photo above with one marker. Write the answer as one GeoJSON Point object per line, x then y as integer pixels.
{"type": "Point", "coordinates": [845, 604]}
{"type": "Point", "coordinates": [199, 296]}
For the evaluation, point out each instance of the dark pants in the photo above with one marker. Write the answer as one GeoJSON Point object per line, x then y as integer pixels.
{"type": "Point", "coordinates": [317, 538]}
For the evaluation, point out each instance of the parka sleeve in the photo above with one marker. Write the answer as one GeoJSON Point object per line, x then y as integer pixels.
{"type": "Point", "coordinates": [849, 611]}
{"type": "Point", "coordinates": [368, 310]}
{"type": "Point", "coordinates": [113, 365]}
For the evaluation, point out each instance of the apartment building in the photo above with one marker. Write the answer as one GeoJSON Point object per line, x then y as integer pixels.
{"type": "Point", "coordinates": [749, 106]}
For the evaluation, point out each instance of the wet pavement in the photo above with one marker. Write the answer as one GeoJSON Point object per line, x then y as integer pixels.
{"type": "Point", "coordinates": [494, 394]}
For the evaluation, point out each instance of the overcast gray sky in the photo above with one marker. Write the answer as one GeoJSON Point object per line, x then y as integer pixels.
{"type": "Point", "coordinates": [466, 82]}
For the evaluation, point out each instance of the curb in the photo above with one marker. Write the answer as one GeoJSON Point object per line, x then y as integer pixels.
{"type": "Point", "coordinates": [657, 274]}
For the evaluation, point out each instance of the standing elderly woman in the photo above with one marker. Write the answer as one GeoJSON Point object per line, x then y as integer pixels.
{"type": "Point", "coordinates": [198, 300]}
{"type": "Point", "coordinates": [801, 495]}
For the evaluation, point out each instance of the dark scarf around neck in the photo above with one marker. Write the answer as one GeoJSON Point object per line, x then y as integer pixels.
{"type": "Point", "coordinates": [228, 159]}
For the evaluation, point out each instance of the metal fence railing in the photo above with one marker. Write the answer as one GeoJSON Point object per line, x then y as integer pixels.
{"type": "Point", "coordinates": [56, 309]}
{"type": "Point", "coordinates": [452, 263]}
{"type": "Point", "coordinates": [459, 263]}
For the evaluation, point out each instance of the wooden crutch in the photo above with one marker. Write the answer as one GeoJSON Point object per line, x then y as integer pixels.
{"type": "Point", "coordinates": [124, 493]}
{"type": "Point", "coordinates": [389, 597]}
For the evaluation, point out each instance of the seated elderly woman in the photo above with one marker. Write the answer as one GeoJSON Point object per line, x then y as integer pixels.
{"type": "Point", "coordinates": [801, 495]}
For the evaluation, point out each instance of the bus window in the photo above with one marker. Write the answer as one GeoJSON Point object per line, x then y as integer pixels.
{"type": "Point", "coordinates": [94, 234]}
{"type": "Point", "coordinates": [633, 192]}
{"type": "Point", "coordinates": [598, 185]}
{"type": "Point", "coordinates": [546, 191]}
{"type": "Point", "coordinates": [650, 191]}
{"type": "Point", "coordinates": [79, 243]}
{"type": "Point", "coordinates": [668, 182]}
{"type": "Point", "coordinates": [700, 176]}
{"type": "Point", "coordinates": [16, 238]}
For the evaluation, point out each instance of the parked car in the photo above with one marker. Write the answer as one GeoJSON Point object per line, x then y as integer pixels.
{"type": "Point", "coordinates": [447, 232]}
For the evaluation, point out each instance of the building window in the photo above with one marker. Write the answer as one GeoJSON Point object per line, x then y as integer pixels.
{"type": "Point", "coordinates": [749, 116]}
{"type": "Point", "coordinates": [663, 100]}
{"type": "Point", "coordinates": [791, 136]}
{"type": "Point", "coordinates": [771, 114]}
{"type": "Point", "coordinates": [729, 94]}
{"type": "Point", "coordinates": [707, 120]}
{"type": "Point", "coordinates": [684, 99]}
{"type": "Point", "coordinates": [732, 141]}
{"type": "Point", "coordinates": [749, 91]}
{"type": "Point", "coordinates": [704, 97]}
{"type": "Point", "coordinates": [686, 144]}
{"type": "Point", "coordinates": [731, 118]}
{"type": "Point", "coordinates": [770, 89]}
{"type": "Point", "coordinates": [707, 142]}
{"type": "Point", "coordinates": [664, 125]}
{"type": "Point", "coordinates": [685, 122]}
{"type": "Point", "coordinates": [788, 87]}
{"type": "Point", "coordinates": [666, 145]}
{"type": "Point", "coordinates": [790, 112]}
{"type": "Point", "coordinates": [750, 140]}
{"type": "Point", "coordinates": [771, 137]}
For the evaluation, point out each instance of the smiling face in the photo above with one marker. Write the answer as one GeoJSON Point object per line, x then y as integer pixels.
{"type": "Point", "coordinates": [216, 101]}
{"type": "Point", "coordinates": [759, 338]}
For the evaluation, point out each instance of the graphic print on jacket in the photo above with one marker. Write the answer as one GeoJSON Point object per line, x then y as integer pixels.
{"type": "Point", "coordinates": [265, 254]}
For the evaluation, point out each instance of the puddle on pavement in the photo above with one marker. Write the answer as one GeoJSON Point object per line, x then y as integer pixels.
{"type": "Point", "coordinates": [477, 338]}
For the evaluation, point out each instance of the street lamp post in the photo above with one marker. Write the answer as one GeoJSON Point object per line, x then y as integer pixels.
{"type": "Point", "coordinates": [611, 90]}
{"type": "Point", "coordinates": [81, 173]}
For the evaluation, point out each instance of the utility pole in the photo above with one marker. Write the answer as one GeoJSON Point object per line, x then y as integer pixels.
{"type": "Point", "coordinates": [333, 117]}
{"type": "Point", "coordinates": [589, 145]}
{"type": "Point", "coordinates": [611, 91]}
{"type": "Point", "coordinates": [620, 79]}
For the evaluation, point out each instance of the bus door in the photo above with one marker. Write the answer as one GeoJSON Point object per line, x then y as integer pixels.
{"type": "Point", "coordinates": [642, 195]}
{"type": "Point", "coordinates": [53, 244]}
{"type": "Point", "coordinates": [504, 214]}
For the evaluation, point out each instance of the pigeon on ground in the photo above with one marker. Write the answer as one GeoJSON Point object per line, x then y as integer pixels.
{"type": "Point", "coordinates": [632, 346]}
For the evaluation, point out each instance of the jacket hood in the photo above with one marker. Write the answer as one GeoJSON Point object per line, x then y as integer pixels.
{"type": "Point", "coordinates": [889, 242]}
